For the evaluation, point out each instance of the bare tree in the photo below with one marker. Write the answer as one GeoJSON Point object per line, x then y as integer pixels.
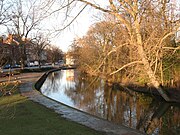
{"type": "Point", "coordinates": [26, 17]}
{"type": "Point", "coordinates": [103, 43]}
{"type": "Point", "coordinates": [54, 54]}
{"type": "Point", "coordinates": [131, 14]}
{"type": "Point", "coordinates": [4, 9]}
{"type": "Point", "coordinates": [39, 43]}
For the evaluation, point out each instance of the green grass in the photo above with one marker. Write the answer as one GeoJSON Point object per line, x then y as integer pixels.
{"type": "Point", "coordinates": [19, 116]}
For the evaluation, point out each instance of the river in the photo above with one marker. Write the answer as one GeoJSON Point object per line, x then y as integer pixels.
{"type": "Point", "coordinates": [92, 95]}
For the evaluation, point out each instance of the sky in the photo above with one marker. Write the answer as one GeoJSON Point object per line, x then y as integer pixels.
{"type": "Point", "coordinates": [79, 27]}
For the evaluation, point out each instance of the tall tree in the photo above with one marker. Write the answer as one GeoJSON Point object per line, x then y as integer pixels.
{"type": "Point", "coordinates": [131, 15]}
{"type": "Point", "coordinates": [39, 43]}
{"type": "Point", "coordinates": [26, 17]}
{"type": "Point", "coordinates": [54, 54]}
{"type": "Point", "coordinates": [4, 19]}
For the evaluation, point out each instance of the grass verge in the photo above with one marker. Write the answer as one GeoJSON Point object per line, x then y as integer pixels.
{"type": "Point", "coordinates": [20, 116]}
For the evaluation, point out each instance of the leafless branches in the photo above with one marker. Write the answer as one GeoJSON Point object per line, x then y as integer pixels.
{"type": "Point", "coordinates": [147, 32]}
{"type": "Point", "coordinates": [4, 8]}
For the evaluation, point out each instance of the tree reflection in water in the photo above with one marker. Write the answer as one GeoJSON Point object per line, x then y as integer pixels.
{"type": "Point", "coordinates": [93, 95]}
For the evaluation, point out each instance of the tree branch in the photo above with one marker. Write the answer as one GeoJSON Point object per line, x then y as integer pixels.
{"type": "Point", "coordinates": [113, 50]}
{"type": "Point", "coordinates": [172, 48]}
{"type": "Point", "coordinates": [95, 6]}
{"type": "Point", "coordinates": [72, 20]}
{"type": "Point", "coordinates": [129, 64]}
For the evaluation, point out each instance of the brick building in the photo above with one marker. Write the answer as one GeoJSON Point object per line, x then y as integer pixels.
{"type": "Point", "coordinates": [13, 49]}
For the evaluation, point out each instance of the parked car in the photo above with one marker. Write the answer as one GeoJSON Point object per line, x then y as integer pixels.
{"type": "Point", "coordinates": [7, 66]}
{"type": "Point", "coordinates": [16, 66]}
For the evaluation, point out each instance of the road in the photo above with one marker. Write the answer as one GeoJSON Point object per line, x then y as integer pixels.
{"type": "Point", "coordinates": [17, 69]}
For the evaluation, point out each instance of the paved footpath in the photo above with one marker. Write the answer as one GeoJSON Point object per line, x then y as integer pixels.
{"type": "Point", "coordinates": [27, 89]}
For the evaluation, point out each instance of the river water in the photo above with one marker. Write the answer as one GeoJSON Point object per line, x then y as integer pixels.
{"type": "Point", "coordinates": [94, 96]}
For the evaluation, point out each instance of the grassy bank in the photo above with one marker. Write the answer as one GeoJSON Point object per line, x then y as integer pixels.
{"type": "Point", "coordinates": [20, 116]}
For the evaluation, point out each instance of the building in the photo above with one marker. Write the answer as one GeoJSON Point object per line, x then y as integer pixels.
{"type": "Point", "coordinates": [69, 60]}
{"type": "Point", "coordinates": [9, 53]}
{"type": "Point", "coordinates": [16, 48]}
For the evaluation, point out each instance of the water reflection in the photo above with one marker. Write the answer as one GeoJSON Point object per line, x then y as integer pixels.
{"type": "Point", "coordinates": [92, 95]}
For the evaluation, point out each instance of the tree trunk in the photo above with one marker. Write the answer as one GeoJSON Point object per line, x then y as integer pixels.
{"type": "Point", "coordinates": [146, 64]}
{"type": "Point", "coordinates": [39, 61]}
{"type": "Point", "coordinates": [150, 74]}
{"type": "Point", "coordinates": [22, 63]}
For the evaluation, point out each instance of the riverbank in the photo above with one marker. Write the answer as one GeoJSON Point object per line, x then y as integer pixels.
{"type": "Point", "coordinates": [173, 92]}
{"type": "Point", "coordinates": [95, 124]}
